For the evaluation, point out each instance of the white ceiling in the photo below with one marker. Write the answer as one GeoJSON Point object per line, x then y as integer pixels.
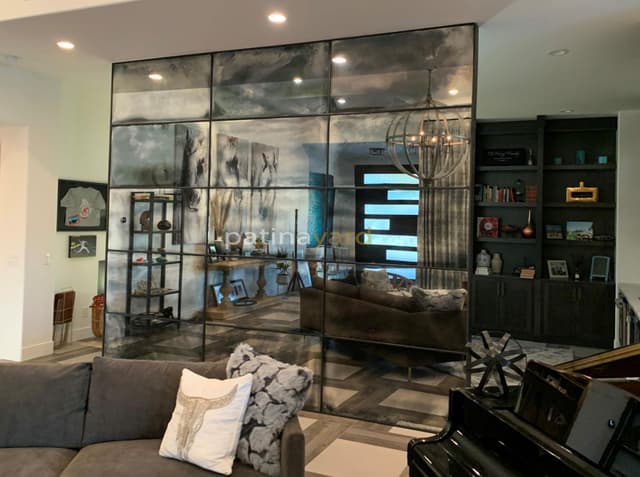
{"type": "Point", "coordinates": [517, 78]}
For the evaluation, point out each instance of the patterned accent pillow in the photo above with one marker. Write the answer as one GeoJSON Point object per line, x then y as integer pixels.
{"type": "Point", "coordinates": [205, 426]}
{"type": "Point", "coordinates": [376, 280]}
{"type": "Point", "coordinates": [278, 393]}
{"type": "Point", "coordinates": [440, 300]}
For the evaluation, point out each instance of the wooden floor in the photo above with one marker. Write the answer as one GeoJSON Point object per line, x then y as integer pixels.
{"type": "Point", "coordinates": [336, 446]}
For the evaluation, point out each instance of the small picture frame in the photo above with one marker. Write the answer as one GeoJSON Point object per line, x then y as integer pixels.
{"type": "Point", "coordinates": [488, 227]}
{"type": "Point", "coordinates": [238, 291]}
{"type": "Point", "coordinates": [600, 266]}
{"type": "Point", "coordinates": [82, 246]}
{"type": "Point", "coordinates": [558, 269]}
{"type": "Point", "coordinates": [579, 230]}
{"type": "Point", "coordinates": [553, 232]}
{"type": "Point", "coordinates": [212, 253]}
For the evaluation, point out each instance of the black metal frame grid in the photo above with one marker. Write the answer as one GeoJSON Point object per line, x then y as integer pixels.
{"type": "Point", "coordinates": [329, 114]}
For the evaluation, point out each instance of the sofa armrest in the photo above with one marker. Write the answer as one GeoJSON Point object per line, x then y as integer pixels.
{"type": "Point", "coordinates": [292, 457]}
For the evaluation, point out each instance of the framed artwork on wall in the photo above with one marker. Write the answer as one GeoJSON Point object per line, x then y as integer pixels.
{"type": "Point", "coordinates": [82, 246]}
{"type": "Point", "coordinates": [81, 206]}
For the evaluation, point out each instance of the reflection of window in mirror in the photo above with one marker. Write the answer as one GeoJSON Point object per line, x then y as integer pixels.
{"type": "Point", "coordinates": [388, 216]}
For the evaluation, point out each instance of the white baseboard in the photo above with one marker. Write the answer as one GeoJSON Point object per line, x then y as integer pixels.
{"type": "Point", "coordinates": [37, 350]}
{"type": "Point", "coordinates": [81, 333]}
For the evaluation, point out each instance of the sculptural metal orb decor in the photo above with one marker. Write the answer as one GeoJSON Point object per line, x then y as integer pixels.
{"type": "Point", "coordinates": [496, 360]}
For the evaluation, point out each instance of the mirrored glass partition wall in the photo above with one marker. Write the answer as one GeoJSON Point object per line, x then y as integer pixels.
{"type": "Point", "coordinates": [252, 198]}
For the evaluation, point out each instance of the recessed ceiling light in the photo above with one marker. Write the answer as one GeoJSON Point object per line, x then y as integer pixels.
{"type": "Point", "coordinates": [65, 45]}
{"type": "Point", "coordinates": [560, 52]}
{"type": "Point", "coordinates": [297, 80]}
{"type": "Point", "coordinates": [339, 60]}
{"type": "Point", "coordinates": [453, 91]}
{"type": "Point", "coordinates": [155, 76]}
{"type": "Point", "coordinates": [341, 101]}
{"type": "Point", "coordinates": [277, 17]}
{"type": "Point", "coordinates": [567, 111]}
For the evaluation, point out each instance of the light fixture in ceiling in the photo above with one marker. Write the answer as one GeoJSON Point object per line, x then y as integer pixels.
{"type": "Point", "coordinates": [155, 76]}
{"type": "Point", "coordinates": [453, 92]}
{"type": "Point", "coordinates": [297, 80]}
{"type": "Point", "coordinates": [559, 52]}
{"type": "Point", "coordinates": [341, 101]}
{"type": "Point", "coordinates": [65, 45]}
{"type": "Point", "coordinates": [277, 17]}
{"type": "Point", "coordinates": [567, 111]}
{"type": "Point", "coordinates": [339, 60]}
{"type": "Point", "coordinates": [430, 145]}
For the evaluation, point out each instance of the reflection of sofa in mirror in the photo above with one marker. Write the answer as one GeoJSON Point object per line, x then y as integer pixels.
{"type": "Point", "coordinates": [393, 316]}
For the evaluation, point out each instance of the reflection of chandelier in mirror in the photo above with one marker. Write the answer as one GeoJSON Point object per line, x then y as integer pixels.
{"type": "Point", "coordinates": [429, 145]}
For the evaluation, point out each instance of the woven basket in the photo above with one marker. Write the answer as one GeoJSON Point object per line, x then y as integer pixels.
{"type": "Point", "coordinates": [97, 320]}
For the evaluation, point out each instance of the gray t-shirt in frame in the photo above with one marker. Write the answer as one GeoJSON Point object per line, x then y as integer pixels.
{"type": "Point", "coordinates": [84, 206]}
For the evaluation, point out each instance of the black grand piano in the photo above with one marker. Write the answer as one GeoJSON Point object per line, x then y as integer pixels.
{"type": "Point", "coordinates": [594, 427]}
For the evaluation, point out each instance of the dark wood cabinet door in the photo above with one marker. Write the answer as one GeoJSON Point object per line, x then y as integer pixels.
{"type": "Point", "coordinates": [596, 315]}
{"type": "Point", "coordinates": [486, 303]}
{"type": "Point", "coordinates": [517, 307]}
{"type": "Point", "coordinates": [559, 313]}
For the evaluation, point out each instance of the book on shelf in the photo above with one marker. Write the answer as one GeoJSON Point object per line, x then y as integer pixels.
{"type": "Point", "coordinates": [494, 194]}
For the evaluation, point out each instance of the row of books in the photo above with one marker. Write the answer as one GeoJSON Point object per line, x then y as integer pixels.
{"type": "Point", "coordinates": [489, 193]}
{"type": "Point", "coordinates": [499, 194]}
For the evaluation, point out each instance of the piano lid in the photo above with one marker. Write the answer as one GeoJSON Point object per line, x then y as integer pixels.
{"type": "Point", "coordinates": [620, 367]}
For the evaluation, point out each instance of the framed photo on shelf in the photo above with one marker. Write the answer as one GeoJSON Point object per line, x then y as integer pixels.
{"type": "Point", "coordinates": [600, 268]}
{"type": "Point", "coordinates": [553, 232]}
{"type": "Point", "coordinates": [579, 230]}
{"type": "Point", "coordinates": [488, 227]}
{"type": "Point", "coordinates": [82, 206]}
{"type": "Point", "coordinates": [558, 269]}
{"type": "Point", "coordinates": [238, 291]}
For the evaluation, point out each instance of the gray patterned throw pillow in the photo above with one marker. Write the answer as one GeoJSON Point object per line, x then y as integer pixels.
{"type": "Point", "coordinates": [278, 393]}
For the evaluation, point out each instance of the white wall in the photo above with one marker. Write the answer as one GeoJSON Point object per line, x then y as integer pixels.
{"type": "Point", "coordinates": [85, 115]}
{"type": "Point", "coordinates": [67, 137]}
{"type": "Point", "coordinates": [628, 201]}
{"type": "Point", "coordinates": [13, 190]}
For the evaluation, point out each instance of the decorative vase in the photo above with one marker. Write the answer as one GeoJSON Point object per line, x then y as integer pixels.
{"type": "Point", "coordinates": [483, 259]}
{"type": "Point", "coordinates": [496, 264]}
{"type": "Point", "coordinates": [164, 225]}
{"type": "Point", "coordinates": [283, 278]}
{"type": "Point", "coordinates": [528, 231]}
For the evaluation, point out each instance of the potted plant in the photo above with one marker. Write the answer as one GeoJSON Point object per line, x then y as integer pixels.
{"type": "Point", "coordinates": [283, 273]}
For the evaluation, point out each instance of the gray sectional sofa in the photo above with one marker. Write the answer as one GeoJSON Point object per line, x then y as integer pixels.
{"type": "Point", "coordinates": [104, 419]}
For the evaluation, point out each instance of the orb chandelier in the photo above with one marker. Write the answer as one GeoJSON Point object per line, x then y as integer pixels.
{"type": "Point", "coordinates": [428, 146]}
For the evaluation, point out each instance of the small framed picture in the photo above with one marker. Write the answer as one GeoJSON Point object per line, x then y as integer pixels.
{"type": "Point", "coordinates": [553, 232]}
{"type": "Point", "coordinates": [488, 227]}
{"type": "Point", "coordinates": [600, 268]}
{"type": "Point", "coordinates": [238, 291]}
{"type": "Point", "coordinates": [579, 230]}
{"type": "Point", "coordinates": [558, 269]}
{"type": "Point", "coordinates": [82, 246]}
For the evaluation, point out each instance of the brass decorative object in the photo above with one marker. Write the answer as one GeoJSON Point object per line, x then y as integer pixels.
{"type": "Point", "coordinates": [582, 193]}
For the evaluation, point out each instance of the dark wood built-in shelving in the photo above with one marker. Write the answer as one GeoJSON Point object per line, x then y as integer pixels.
{"type": "Point", "coordinates": [578, 313]}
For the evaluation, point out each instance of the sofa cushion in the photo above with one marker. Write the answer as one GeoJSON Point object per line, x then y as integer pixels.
{"type": "Point", "coordinates": [376, 280]}
{"type": "Point", "coordinates": [400, 300]}
{"type": "Point", "coordinates": [279, 391]}
{"type": "Point", "coordinates": [336, 286]}
{"type": "Point", "coordinates": [137, 458]}
{"type": "Point", "coordinates": [134, 399]}
{"type": "Point", "coordinates": [206, 423]}
{"type": "Point", "coordinates": [43, 405]}
{"type": "Point", "coordinates": [34, 461]}
{"type": "Point", "coordinates": [440, 300]}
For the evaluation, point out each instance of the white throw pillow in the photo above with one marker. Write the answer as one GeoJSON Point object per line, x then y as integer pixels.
{"type": "Point", "coordinates": [206, 422]}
